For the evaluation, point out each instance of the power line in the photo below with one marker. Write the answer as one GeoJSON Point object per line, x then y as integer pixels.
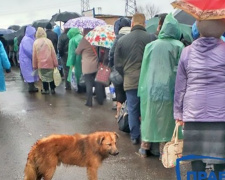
{"type": "Point", "coordinates": [85, 5]}
{"type": "Point", "coordinates": [130, 7]}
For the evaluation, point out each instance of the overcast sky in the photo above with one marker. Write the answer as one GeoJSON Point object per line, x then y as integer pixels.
{"type": "Point", "coordinates": [22, 12]}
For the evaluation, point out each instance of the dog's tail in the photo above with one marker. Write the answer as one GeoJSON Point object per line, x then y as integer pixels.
{"type": "Point", "coordinates": [30, 172]}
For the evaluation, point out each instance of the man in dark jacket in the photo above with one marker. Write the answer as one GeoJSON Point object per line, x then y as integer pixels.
{"type": "Point", "coordinates": [63, 44]}
{"type": "Point", "coordinates": [128, 58]}
{"type": "Point", "coordinates": [52, 36]}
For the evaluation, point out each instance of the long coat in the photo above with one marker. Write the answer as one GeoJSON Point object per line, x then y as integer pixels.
{"type": "Point", "coordinates": [129, 53]}
{"type": "Point", "coordinates": [25, 55]}
{"type": "Point", "coordinates": [44, 56]}
{"type": "Point", "coordinates": [157, 83]}
{"type": "Point", "coordinates": [4, 64]}
{"type": "Point", "coordinates": [74, 59]}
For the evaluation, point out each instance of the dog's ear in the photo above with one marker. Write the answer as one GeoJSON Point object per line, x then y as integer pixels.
{"type": "Point", "coordinates": [117, 135]}
{"type": "Point", "coordinates": [100, 139]}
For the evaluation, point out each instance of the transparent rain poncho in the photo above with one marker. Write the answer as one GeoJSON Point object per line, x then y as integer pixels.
{"type": "Point", "coordinates": [157, 83]}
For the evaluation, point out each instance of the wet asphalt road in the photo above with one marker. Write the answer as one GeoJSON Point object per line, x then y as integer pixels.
{"type": "Point", "coordinates": [25, 118]}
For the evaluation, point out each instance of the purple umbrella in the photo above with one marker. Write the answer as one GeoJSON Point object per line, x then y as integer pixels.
{"type": "Point", "coordinates": [84, 22]}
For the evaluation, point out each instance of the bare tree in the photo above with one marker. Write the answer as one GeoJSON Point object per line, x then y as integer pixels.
{"type": "Point", "coordinates": [150, 10]}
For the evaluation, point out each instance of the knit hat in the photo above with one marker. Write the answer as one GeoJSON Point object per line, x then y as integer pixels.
{"type": "Point", "coordinates": [49, 26]}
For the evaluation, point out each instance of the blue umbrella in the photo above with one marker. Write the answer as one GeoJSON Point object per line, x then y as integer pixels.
{"type": "Point", "coordinates": [6, 31]}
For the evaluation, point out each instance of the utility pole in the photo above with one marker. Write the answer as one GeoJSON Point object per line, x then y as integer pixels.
{"type": "Point", "coordinates": [84, 5]}
{"type": "Point", "coordinates": [131, 7]}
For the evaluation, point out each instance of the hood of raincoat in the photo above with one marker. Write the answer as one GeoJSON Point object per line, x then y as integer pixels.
{"type": "Point", "coordinates": [30, 32]}
{"type": "Point", "coordinates": [205, 44]}
{"type": "Point", "coordinates": [73, 32]}
{"type": "Point", "coordinates": [170, 28]}
{"type": "Point", "coordinates": [57, 30]}
{"type": "Point", "coordinates": [40, 33]}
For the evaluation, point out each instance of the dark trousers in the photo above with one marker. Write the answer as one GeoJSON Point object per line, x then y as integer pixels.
{"type": "Point", "coordinates": [99, 89]}
{"type": "Point", "coordinates": [120, 93]}
{"type": "Point", "coordinates": [198, 165]}
{"type": "Point", "coordinates": [66, 72]}
{"type": "Point", "coordinates": [133, 106]}
{"type": "Point", "coordinates": [46, 85]}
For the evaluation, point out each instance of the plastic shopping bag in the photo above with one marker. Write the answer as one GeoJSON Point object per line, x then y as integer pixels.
{"type": "Point", "coordinates": [73, 80]}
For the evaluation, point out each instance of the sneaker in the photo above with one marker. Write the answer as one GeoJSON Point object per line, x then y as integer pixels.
{"type": "Point", "coordinates": [88, 105]}
{"type": "Point", "coordinates": [44, 92]}
{"type": "Point", "coordinates": [135, 141]}
{"type": "Point", "coordinates": [142, 153]}
{"type": "Point", "coordinates": [68, 88]}
{"type": "Point", "coordinates": [114, 107]}
{"type": "Point", "coordinates": [52, 91]}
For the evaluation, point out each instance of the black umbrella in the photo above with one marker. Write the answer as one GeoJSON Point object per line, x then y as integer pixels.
{"type": "Point", "coordinates": [41, 23]}
{"type": "Point", "coordinates": [10, 38]}
{"type": "Point", "coordinates": [183, 17]}
{"type": "Point", "coordinates": [21, 32]}
{"type": "Point", "coordinates": [64, 16]}
{"type": "Point", "coordinates": [6, 31]}
{"type": "Point", "coordinates": [7, 35]}
{"type": "Point", "coordinates": [14, 27]}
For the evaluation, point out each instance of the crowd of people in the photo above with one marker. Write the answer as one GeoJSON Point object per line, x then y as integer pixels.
{"type": "Point", "coordinates": [164, 82]}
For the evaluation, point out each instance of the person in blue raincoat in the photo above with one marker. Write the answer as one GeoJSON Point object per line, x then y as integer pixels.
{"type": "Point", "coordinates": [57, 30]}
{"type": "Point", "coordinates": [157, 84]}
{"type": "Point", "coordinates": [25, 57]}
{"type": "Point", "coordinates": [4, 64]}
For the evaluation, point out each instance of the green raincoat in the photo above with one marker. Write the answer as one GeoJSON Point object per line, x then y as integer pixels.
{"type": "Point", "coordinates": [15, 44]}
{"type": "Point", "coordinates": [74, 59]}
{"type": "Point", "coordinates": [157, 82]}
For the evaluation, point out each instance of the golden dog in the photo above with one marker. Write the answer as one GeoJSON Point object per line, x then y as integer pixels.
{"type": "Point", "coordinates": [78, 149]}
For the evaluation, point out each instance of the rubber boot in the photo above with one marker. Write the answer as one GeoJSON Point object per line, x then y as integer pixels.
{"type": "Point", "coordinates": [32, 88]}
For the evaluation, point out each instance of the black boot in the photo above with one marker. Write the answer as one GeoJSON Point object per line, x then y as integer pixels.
{"type": "Point", "coordinates": [32, 88]}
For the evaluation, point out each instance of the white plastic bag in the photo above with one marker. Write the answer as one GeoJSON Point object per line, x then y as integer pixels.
{"type": "Point", "coordinates": [57, 77]}
{"type": "Point", "coordinates": [73, 80]}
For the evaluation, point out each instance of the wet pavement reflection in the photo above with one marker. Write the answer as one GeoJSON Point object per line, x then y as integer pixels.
{"type": "Point", "coordinates": [26, 117]}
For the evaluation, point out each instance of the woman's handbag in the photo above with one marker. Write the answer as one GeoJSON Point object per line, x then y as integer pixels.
{"type": "Point", "coordinates": [123, 119]}
{"type": "Point", "coordinates": [115, 77]}
{"type": "Point", "coordinates": [172, 150]}
{"type": "Point", "coordinates": [103, 74]}
{"type": "Point", "coordinates": [57, 77]}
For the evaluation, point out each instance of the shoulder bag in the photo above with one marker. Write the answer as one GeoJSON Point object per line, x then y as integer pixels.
{"type": "Point", "coordinates": [103, 73]}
